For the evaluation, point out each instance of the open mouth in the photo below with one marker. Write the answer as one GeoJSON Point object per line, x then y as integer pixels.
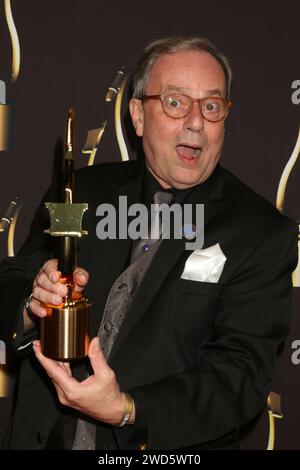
{"type": "Point", "coordinates": [188, 152]}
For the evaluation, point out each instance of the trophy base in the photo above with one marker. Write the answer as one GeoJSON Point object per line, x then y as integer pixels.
{"type": "Point", "coordinates": [65, 330]}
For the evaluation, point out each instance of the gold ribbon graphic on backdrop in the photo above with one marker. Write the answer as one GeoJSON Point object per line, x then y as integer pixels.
{"type": "Point", "coordinates": [281, 196]}
{"type": "Point", "coordinates": [16, 59]}
{"type": "Point", "coordinates": [7, 223]}
{"type": "Point", "coordinates": [116, 90]}
{"type": "Point", "coordinates": [5, 108]}
{"type": "Point", "coordinates": [274, 412]}
{"type": "Point", "coordinates": [274, 400]}
{"type": "Point", "coordinates": [118, 123]}
{"type": "Point", "coordinates": [9, 219]}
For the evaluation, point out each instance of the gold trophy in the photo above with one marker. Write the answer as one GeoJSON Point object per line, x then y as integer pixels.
{"type": "Point", "coordinates": [65, 329]}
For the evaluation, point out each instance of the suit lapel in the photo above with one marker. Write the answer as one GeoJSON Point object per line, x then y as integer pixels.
{"type": "Point", "coordinates": [108, 258]}
{"type": "Point", "coordinates": [114, 253]}
{"type": "Point", "coordinates": [209, 193]}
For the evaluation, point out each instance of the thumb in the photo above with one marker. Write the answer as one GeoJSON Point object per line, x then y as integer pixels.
{"type": "Point", "coordinates": [97, 359]}
{"type": "Point", "coordinates": [81, 277]}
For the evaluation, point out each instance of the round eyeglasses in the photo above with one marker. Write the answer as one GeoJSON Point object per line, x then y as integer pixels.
{"type": "Point", "coordinates": [177, 105]}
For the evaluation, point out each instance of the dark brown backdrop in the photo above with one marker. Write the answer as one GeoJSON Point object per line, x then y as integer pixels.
{"type": "Point", "coordinates": [70, 51]}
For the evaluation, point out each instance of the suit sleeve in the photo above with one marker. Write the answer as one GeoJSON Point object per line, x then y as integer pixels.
{"type": "Point", "coordinates": [17, 275]}
{"type": "Point", "coordinates": [234, 371]}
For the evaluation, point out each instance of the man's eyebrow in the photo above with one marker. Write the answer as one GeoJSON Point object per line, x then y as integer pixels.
{"type": "Point", "coordinates": [216, 91]}
{"type": "Point", "coordinates": [175, 88]}
{"type": "Point", "coordinates": [212, 92]}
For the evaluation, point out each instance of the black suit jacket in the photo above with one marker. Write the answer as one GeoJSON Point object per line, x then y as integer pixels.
{"type": "Point", "coordinates": [197, 357]}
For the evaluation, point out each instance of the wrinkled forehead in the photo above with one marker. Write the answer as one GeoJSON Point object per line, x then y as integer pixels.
{"type": "Point", "coordinates": [191, 71]}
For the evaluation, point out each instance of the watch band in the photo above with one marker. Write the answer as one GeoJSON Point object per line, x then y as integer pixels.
{"type": "Point", "coordinates": [127, 411]}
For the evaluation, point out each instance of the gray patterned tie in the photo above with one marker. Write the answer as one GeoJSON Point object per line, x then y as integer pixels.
{"type": "Point", "coordinates": [155, 227]}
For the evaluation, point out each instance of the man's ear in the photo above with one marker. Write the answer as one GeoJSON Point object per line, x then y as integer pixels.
{"type": "Point", "coordinates": [137, 115]}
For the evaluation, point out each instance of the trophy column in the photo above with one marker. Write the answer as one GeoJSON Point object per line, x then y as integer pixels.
{"type": "Point", "coordinates": [65, 330]}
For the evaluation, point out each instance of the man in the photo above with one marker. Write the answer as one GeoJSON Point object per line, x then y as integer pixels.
{"type": "Point", "coordinates": [193, 358]}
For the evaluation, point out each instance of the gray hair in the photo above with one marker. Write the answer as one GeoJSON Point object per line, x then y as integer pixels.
{"type": "Point", "coordinates": [170, 45]}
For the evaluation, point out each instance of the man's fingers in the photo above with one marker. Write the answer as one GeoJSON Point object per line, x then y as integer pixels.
{"type": "Point", "coordinates": [97, 359]}
{"type": "Point", "coordinates": [81, 278]}
{"type": "Point", "coordinates": [48, 290]}
{"type": "Point", "coordinates": [58, 288]}
{"type": "Point", "coordinates": [37, 309]}
{"type": "Point", "coordinates": [50, 269]}
{"type": "Point", "coordinates": [58, 374]}
{"type": "Point", "coordinates": [66, 366]}
{"type": "Point", "coordinates": [46, 297]}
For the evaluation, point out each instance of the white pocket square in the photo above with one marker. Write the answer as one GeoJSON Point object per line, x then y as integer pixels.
{"type": "Point", "coordinates": [205, 265]}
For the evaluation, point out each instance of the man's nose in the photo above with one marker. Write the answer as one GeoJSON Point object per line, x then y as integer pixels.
{"type": "Point", "coordinates": [194, 121]}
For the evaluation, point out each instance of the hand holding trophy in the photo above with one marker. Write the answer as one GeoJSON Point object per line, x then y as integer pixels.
{"type": "Point", "coordinates": [65, 329]}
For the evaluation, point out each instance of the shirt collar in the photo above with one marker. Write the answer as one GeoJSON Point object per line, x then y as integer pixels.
{"type": "Point", "coordinates": [151, 186]}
